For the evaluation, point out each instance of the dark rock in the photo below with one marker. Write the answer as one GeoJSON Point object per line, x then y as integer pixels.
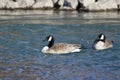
{"type": "Point", "coordinates": [57, 5]}
{"type": "Point", "coordinates": [80, 5]}
{"type": "Point", "coordinates": [67, 4]}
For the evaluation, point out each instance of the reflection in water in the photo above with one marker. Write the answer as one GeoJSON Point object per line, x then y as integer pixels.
{"type": "Point", "coordinates": [49, 17]}
{"type": "Point", "coordinates": [21, 41]}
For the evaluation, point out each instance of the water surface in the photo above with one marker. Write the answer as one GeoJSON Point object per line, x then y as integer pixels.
{"type": "Point", "coordinates": [21, 41]}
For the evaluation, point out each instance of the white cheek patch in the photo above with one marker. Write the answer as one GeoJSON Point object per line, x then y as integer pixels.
{"type": "Point", "coordinates": [102, 37]}
{"type": "Point", "coordinates": [50, 38]}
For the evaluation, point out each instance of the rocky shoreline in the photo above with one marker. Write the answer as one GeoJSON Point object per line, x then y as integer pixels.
{"type": "Point", "coordinates": [79, 5]}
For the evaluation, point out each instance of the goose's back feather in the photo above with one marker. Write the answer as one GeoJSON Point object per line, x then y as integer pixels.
{"type": "Point", "coordinates": [64, 48]}
{"type": "Point", "coordinates": [108, 43]}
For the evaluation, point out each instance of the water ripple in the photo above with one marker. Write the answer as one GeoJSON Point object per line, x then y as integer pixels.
{"type": "Point", "coordinates": [21, 41]}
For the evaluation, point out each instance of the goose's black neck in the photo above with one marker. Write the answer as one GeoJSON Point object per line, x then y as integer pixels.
{"type": "Point", "coordinates": [51, 43]}
{"type": "Point", "coordinates": [102, 40]}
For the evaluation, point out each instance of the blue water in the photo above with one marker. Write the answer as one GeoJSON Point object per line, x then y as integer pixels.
{"type": "Point", "coordinates": [21, 41]}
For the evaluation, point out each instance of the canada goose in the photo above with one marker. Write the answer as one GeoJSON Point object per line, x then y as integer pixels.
{"type": "Point", "coordinates": [102, 43]}
{"type": "Point", "coordinates": [60, 48]}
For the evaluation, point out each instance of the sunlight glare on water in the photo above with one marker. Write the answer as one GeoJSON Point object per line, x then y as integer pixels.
{"type": "Point", "coordinates": [21, 41]}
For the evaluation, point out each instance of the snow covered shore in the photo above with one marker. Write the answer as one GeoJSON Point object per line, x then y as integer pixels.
{"type": "Point", "coordinates": [91, 5]}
